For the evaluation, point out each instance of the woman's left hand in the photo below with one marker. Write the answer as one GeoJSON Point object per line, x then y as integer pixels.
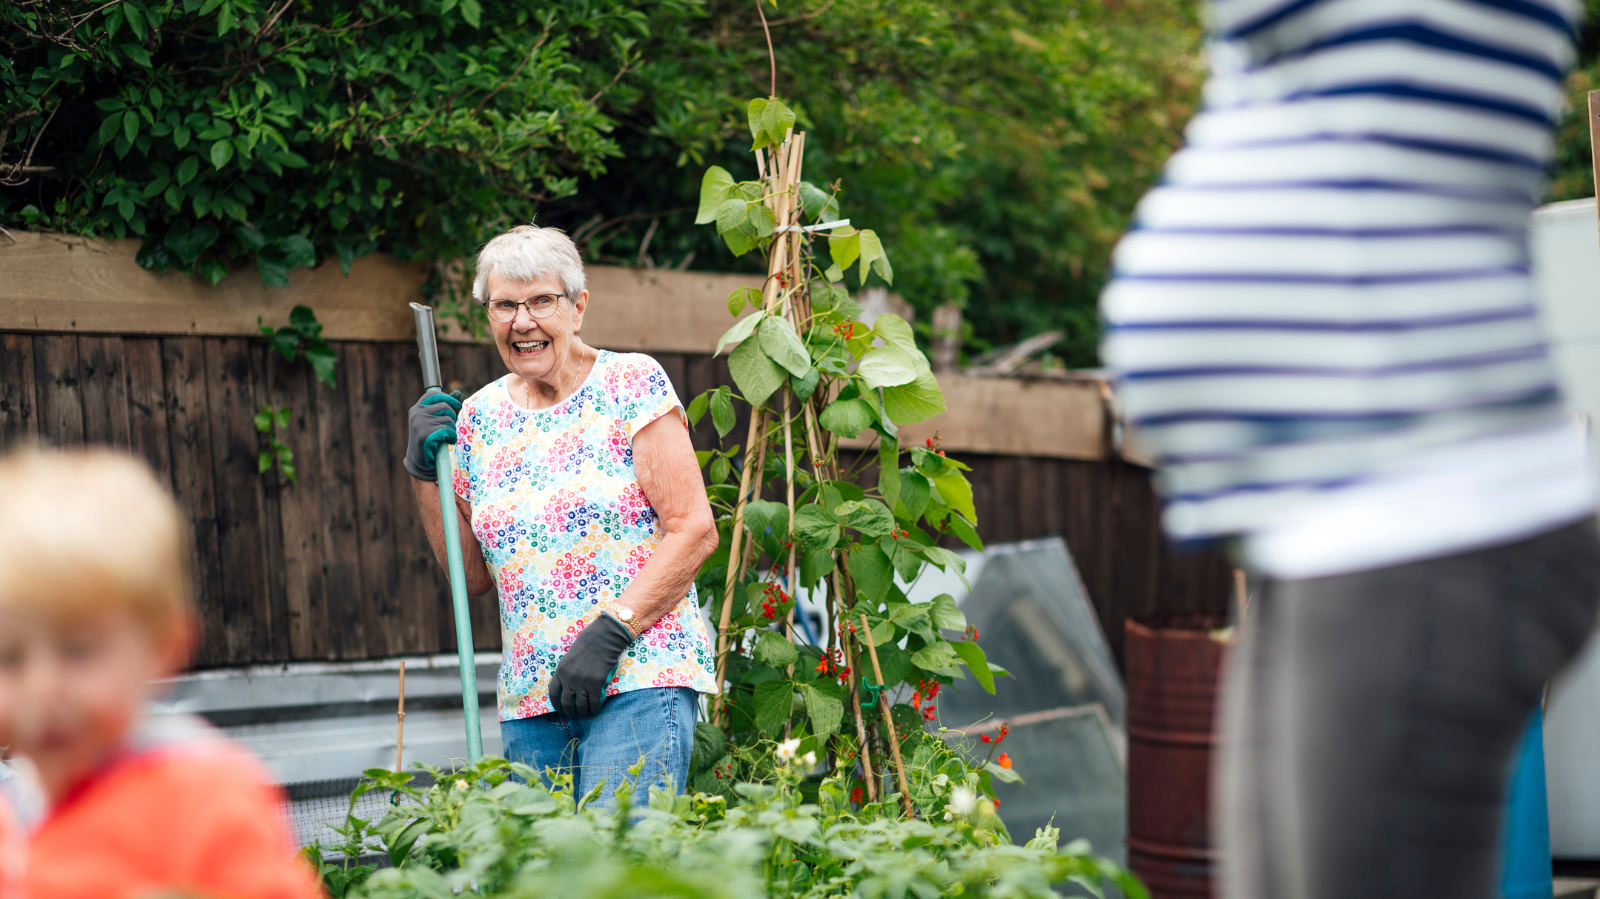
{"type": "Point", "coordinates": [578, 687]}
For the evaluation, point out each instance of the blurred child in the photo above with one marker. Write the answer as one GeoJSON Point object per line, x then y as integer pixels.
{"type": "Point", "coordinates": [94, 608]}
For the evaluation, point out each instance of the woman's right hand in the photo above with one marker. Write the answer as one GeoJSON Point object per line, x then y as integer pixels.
{"type": "Point", "coordinates": [433, 424]}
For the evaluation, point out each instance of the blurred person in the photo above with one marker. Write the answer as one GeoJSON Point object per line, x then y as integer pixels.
{"type": "Point", "coordinates": [579, 496]}
{"type": "Point", "coordinates": [95, 608]}
{"type": "Point", "coordinates": [1323, 325]}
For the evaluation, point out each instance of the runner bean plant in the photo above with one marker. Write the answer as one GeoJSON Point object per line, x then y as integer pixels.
{"type": "Point", "coordinates": [826, 503]}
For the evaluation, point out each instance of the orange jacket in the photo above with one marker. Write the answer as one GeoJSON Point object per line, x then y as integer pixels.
{"type": "Point", "coordinates": [198, 819]}
{"type": "Point", "coordinates": [13, 853]}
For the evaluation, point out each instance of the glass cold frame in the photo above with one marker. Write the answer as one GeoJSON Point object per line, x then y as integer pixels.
{"type": "Point", "coordinates": [538, 307]}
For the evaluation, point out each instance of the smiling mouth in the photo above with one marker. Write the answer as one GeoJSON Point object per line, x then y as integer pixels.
{"type": "Point", "coordinates": [529, 347]}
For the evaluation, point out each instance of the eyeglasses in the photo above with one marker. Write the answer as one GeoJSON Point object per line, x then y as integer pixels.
{"type": "Point", "coordinates": [504, 311]}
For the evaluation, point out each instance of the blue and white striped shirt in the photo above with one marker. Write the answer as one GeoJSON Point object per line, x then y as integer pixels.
{"type": "Point", "coordinates": [1332, 279]}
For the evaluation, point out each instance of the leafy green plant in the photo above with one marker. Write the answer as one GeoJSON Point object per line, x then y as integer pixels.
{"type": "Point", "coordinates": [268, 421]}
{"type": "Point", "coordinates": [1001, 144]}
{"type": "Point", "coordinates": [813, 374]}
{"type": "Point", "coordinates": [226, 132]}
{"type": "Point", "coordinates": [302, 338]}
{"type": "Point", "coordinates": [501, 829]}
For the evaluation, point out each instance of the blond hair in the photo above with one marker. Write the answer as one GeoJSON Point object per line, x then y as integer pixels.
{"type": "Point", "coordinates": [87, 532]}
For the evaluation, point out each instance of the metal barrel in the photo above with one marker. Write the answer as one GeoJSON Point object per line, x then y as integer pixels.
{"type": "Point", "coordinates": [1172, 700]}
{"type": "Point", "coordinates": [427, 347]}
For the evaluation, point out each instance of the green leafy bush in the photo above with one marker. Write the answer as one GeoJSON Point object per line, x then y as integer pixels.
{"type": "Point", "coordinates": [479, 831]}
{"type": "Point", "coordinates": [281, 133]}
{"type": "Point", "coordinates": [1001, 144]}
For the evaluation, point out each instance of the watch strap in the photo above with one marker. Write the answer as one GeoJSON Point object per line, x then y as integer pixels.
{"type": "Point", "coordinates": [628, 626]}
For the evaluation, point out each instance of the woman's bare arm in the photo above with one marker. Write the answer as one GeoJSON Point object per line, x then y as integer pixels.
{"type": "Point", "coordinates": [664, 462]}
{"type": "Point", "coordinates": [479, 581]}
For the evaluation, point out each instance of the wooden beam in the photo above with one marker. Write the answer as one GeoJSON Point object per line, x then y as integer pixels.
{"type": "Point", "coordinates": [57, 283]}
{"type": "Point", "coordinates": [1009, 416]}
{"type": "Point", "coordinates": [64, 285]}
{"type": "Point", "coordinates": [1594, 142]}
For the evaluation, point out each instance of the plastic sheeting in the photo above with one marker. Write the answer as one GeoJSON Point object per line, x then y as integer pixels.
{"type": "Point", "coordinates": [1034, 619]}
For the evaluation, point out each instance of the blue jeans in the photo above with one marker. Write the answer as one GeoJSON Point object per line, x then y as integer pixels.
{"type": "Point", "coordinates": [655, 725]}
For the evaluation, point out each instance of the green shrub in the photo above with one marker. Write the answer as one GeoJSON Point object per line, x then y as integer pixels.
{"type": "Point", "coordinates": [481, 831]}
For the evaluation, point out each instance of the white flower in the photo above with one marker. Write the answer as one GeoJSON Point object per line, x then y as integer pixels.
{"type": "Point", "coordinates": [461, 784]}
{"type": "Point", "coordinates": [787, 749]}
{"type": "Point", "coordinates": [941, 781]}
{"type": "Point", "coordinates": [963, 800]}
{"type": "Point", "coordinates": [809, 760]}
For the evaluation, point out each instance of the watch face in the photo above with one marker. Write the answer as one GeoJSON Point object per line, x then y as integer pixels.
{"type": "Point", "coordinates": [625, 613]}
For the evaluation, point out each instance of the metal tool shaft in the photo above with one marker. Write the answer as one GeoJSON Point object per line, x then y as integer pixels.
{"type": "Point", "coordinates": [428, 353]}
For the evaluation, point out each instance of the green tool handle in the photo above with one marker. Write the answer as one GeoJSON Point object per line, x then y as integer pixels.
{"type": "Point", "coordinates": [444, 469]}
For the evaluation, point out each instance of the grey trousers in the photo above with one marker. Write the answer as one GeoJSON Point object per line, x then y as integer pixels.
{"type": "Point", "coordinates": [1369, 719]}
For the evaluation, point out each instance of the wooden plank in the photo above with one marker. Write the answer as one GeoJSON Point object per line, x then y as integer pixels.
{"type": "Point", "coordinates": [60, 398]}
{"type": "Point", "coordinates": [104, 384]}
{"type": "Point", "coordinates": [19, 420]}
{"type": "Point", "coordinates": [1007, 416]}
{"type": "Point", "coordinates": [271, 484]}
{"type": "Point", "coordinates": [651, 310]}
{"type": "Point", "coordinates": [187, 410]}
{"type": "Point", "coordinates": [147, 405]}
{"type": "Point", "coordinates": [74, 284]}
{"type": "Point", "coordinates": [250, 632]}
{"type": "Point", "coordinates": [300, 513]}
{"type": "Point", "coordinates": [676, 367]}
{"type": "Point", "coordinates": [377, 454]}
{"type": "Point", "coordinates": [341, 548]}
{"type": "Point", "coordinates": [1594, 141]}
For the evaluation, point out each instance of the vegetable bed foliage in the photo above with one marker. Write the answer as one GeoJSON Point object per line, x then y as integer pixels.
{"type": "Point", "coordinates": [481, 831]}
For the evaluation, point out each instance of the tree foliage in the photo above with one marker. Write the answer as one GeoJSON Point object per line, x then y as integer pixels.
{"type": "Point", "coordinates": [1573, 174]}
{"type": "Point", "coordinates": [283, 133]}
{"type": "Point", "coordinates": [999, 145]}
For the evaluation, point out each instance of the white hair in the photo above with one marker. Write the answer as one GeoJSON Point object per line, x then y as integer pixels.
{"type": "Point", "coordinates": [527, 253]}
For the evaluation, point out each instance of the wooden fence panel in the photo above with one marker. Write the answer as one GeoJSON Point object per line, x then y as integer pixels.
{"type": "Point", "coordinates": [336, 565]}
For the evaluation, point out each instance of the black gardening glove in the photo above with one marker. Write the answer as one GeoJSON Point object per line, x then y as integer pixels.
{"type": "Point", "coordinates": [579, 685]}
{"type": "Point", "coordinates": [433, 424]}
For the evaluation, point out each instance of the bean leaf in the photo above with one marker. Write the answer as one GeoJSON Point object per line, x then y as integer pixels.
{"type": "Point", "coordinates": [824, 706]}
{"type": "Point", "coordinates": [847, 418]}
{"type": "Point", "coordinates": [740, 330]}
{"type": "Point", "coordinates": [772, 649]}
{"type": "Point", "coordinates": [722, 411]}
{"type": "Point", "coordinates": [715, 189]}
{"type": "Point", "coordinates": [973, 657]}
{"type": "Point", "coordinates": [774, 703]}
{"type": "Point", "coordinates": [887, 366]}
{"type": "Point", "coordinates": [782, 344]}
{"type": "Point", "coordinates": [755, 372]}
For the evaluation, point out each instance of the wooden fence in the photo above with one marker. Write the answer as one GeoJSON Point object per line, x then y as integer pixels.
{"type": "Point", "coordinates": [336, 566]}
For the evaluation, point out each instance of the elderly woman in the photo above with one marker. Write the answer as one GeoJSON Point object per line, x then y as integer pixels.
{"type": "Point", "coordinates": [580, 498]}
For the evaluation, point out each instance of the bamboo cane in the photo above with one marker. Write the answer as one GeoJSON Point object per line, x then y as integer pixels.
{"type": "Point", "coordinates": [861, 728]}
{"type": "Point", "coordinates": [788, 461]}
{"type": "Point", "coordinates": [735, 551]}
{"type": "Point", "coordinates": [888, 721]}
{"type": "Point", "coordinates": [400, 729]}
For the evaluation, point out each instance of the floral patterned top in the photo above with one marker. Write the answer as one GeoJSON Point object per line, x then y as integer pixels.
{"type": "Point", "coordinates": [565, 527]}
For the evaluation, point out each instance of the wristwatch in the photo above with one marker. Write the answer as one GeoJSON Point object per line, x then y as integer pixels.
{"type": "Point", "coordinates": [625, 615]}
